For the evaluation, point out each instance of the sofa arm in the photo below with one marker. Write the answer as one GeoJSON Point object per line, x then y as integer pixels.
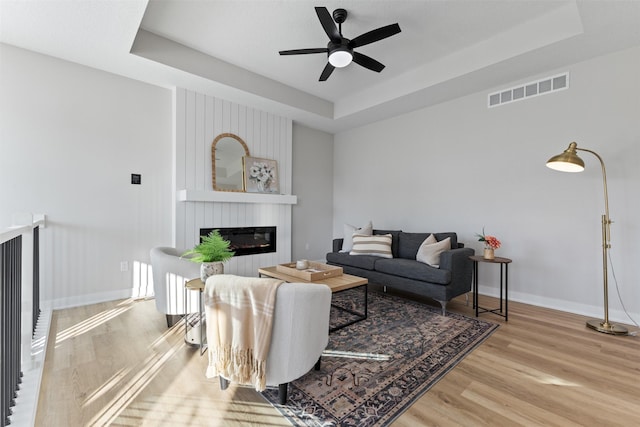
{"type": "Point", "coordinates": [457, 261]}
{"type": "Point", "coordinates": [337, 244]}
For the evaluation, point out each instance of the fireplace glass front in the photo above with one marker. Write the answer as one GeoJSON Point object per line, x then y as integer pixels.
{"type": "Point", "coordinates": [247, 240]}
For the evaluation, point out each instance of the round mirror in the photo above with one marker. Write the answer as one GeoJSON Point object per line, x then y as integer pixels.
{"type": "Point", "coordinates": [227, 151]}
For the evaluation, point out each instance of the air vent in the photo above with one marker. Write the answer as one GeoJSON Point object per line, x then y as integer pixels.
{"type": "Point", "coordinates": [528, 90]}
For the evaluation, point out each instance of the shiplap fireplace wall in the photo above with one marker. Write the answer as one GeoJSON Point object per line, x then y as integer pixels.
{"type": "Point", "coordinates": [198, 119]}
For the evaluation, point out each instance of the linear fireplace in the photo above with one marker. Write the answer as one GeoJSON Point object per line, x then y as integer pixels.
{"type": "Point", "coordinates": [247, 240]}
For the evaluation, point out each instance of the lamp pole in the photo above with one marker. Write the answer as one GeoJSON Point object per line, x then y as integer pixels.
{"type": "Point", "coordinates": [596, 324]}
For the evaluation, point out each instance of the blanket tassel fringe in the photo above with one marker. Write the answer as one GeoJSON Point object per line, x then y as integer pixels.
{"type": "Point", "coordinates": [238, 366]}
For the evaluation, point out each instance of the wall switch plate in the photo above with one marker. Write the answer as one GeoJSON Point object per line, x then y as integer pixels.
{"type": "Point", "coordinates": [136, 178]}
{"type": "Point", "coordinates": [124, 266]}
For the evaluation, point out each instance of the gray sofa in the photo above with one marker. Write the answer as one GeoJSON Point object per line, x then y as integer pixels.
{"type": "Point", "coordinates": [403, 272]}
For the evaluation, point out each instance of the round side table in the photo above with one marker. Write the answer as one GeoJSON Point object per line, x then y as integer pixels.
{"type": "Point", "coordinates": [504, 281]}
{"type": "Point", "coordinates": [195, 335]}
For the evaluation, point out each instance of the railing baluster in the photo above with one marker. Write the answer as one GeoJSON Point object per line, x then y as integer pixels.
{"type": "Point", "coordinates": [19, 280]}
{"type": "Point", "coordinates": [36, 277]}
{"type": "Point", "coordinates": [11, 296]}
{"type": "Point", "coordinates": [18, 313]}
{"type": "Point", "coordinates": [3, 337]}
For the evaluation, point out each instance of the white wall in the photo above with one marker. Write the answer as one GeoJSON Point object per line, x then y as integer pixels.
{"type": "Point", "coordinates": [70, 137]}
{"type": "Point", "coordinates": [460, 166]}
{"type": "Point", "coordinates": [313, 184]}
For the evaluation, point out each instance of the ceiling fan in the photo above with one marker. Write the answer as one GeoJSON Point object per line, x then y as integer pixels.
{"type": "Point", "coordinates": [340, 49]}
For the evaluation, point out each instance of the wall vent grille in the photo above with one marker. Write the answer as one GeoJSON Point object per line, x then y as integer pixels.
{"type": "Point", "coordinates": [539, 87]}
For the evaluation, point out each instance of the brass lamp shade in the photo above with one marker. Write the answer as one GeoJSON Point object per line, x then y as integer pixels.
{"type": "Point", "coordinates": [567, 161]}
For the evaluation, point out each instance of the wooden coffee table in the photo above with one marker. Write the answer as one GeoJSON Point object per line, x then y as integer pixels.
{"type": "Point", "coordinates": [336, 284]}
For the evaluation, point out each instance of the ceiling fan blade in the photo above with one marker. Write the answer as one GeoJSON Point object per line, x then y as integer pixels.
{"type": "Point", "coordinates": [328, 69]}
{"type": "Point", "coordinates": [375, 35]}
{"type": "Point", "coordinates": [367, 62]}
{"type": "Point", "coordinates": [327, 23]}
{"type": "Point", "coordinates": [303, 51]}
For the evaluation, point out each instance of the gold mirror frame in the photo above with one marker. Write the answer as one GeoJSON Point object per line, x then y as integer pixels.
{"type": "Point", "coordinates": [220, 139]}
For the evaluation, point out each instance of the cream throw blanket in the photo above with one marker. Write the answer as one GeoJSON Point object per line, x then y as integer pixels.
{"type": "Point", "coordinates": [239, 313]}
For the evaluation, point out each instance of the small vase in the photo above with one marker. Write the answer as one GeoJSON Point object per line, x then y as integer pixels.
{"type": "Point", "coordinates": [488, 253]}
{"type": "Point", "coordinates": [208, 269]}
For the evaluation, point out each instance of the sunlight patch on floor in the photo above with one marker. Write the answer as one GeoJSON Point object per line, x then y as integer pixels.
{"type": "Point", "coordinates": [127, 392]}
{"type": "Point", "coordinates": [93, 322]}
{"type": "Point", "coordinates": [173, 409]}
{"type": "Point", "coordinates": [112, 382]}
{"type": "Point", "coordinates": [553, 380]}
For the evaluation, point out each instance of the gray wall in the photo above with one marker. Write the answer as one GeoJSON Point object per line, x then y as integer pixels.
{"type": "Point", "coordinates": [460, 166]}
{"type": "Point", "coordinates": [313, 184]}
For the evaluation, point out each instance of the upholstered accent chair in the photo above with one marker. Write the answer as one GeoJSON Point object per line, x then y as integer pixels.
{"type": "Point", "coordinates": [300, 333]}
{"type": "Point", "coordinates": [170, 272]}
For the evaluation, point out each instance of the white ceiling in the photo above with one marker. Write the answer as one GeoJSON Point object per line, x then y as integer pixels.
{"type": "Point", "coordinates": [230, 48]}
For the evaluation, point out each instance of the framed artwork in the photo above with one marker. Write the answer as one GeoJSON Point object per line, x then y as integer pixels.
{"type": "Point", "coordinates": [260, 175]}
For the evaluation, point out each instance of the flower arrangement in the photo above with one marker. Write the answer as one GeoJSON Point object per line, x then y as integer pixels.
{"type": "Point", "coordinates": [263, 174]}
{"type": "Point", "coordinates": [490, 242]}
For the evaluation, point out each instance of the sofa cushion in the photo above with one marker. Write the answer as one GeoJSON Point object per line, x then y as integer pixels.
{"type": "Point", "coordinates": [378, 245]}
{"type": "Point", "coordinates": [394, 239]}
{"type": "Point", "coordinates": [350, 230]}
{"type": "Point", "coordinates": [430, 250]}
{"type": "Point", "coordinates": [412, 269]}
{"type": "Point", "coordinates": [408, 243]}
{"type": "Point", "coordinates": [366, 262]}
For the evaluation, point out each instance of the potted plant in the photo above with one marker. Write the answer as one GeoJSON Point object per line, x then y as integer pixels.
{"type": "Point", "coordinates": [211, 253]}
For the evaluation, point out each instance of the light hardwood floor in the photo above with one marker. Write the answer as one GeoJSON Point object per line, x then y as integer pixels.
{"type": "Point", "coordinates": [117, 364]}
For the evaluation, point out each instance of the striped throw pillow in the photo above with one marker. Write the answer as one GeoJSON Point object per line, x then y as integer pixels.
{"type": "Point", "coordinates": [377, 245]}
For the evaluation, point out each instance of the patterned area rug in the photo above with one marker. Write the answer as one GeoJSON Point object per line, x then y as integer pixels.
{"type": "Point", "coordinates": [373, 370]}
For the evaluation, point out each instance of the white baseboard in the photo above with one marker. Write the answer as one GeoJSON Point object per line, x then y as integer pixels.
{"type": "Point", "coordinates": [617, 316]}
{"type": "Point", "coordinates": [80, 300]}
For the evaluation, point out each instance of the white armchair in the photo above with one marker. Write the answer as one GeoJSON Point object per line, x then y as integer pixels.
{"type": "Point", "coordinates": [170, 272]}
{"type": "Point", "coordinates": [300, 333]}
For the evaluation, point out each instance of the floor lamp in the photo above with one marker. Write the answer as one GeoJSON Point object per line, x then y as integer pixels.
{"type": "Point", "coordinates": [569, 161]}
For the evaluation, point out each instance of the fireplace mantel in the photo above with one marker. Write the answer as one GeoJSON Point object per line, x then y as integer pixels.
{"type": "Point", "coordinates": [235, 197]}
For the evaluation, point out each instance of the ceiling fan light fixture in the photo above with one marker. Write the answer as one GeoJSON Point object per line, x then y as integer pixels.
{"type": "Point", "coordinates": [341, 57]}
{"type": "Point", "coordinates": [340, 50]}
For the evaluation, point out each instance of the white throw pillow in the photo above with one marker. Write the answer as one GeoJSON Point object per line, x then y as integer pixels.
{"type": "Point", "coordinates": [350, 230]}
{"type": "Point", "coordinates": [377, 245]}
{"type": "Point", "coordinates": [429, 252]}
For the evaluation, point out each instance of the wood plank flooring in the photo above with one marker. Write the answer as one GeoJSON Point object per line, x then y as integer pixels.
{"type": "Point", "coordinates": [117, 364]}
